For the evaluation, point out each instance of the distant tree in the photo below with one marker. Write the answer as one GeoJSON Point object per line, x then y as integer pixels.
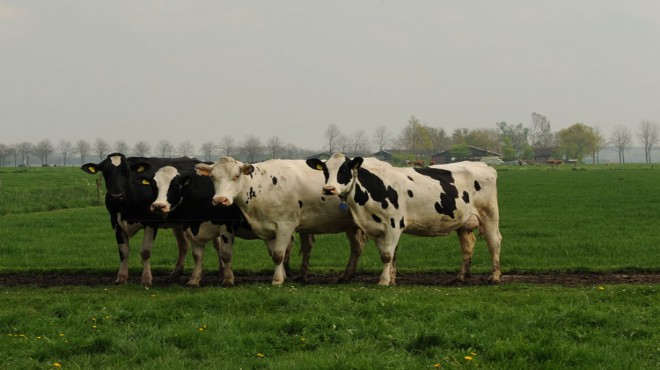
{"type": "Point", "coordinates": [186, 149]}
{"type": "Point", "coordinates": [101, 148]}
{"type": "Point", "coordinates": [382, 137]}
{"type": "Point", "coordinates": [516, 137]}
{"type": "Point", "coordinates": [621, 139]}
{"type": "Point", "coordinates": [342, 144]}
{"type": "Point", "coordinates": [484, 138]}
{"type": "Point", "coordinates": [332, 133]}
{"type": "Point", "coordinates": [141, 149]}
{"type": "Point", "coordinates": [598, 144]}
{"type": "Point", "coordinates": [540, 133]}
{"type": "Point", "coordinates": [648, 137]}
{"type": "Point", "coordinates": [227, 146]}
{"type": "Point", "coordinates": [13, 151]}
{"type": "Point", "coordinates": [65, 147]}
{"type": "Point", "coordinates": [4, 153]}
{"type": "Point", "coordinates": [460, 152]}
{"type": "Point", "coordinates": [417, 138]}
{"type": "Point", "coordinates": [208, 150]}
{"type": "Point", "coordinates": [576, 141]}
{"type": "Point", "coordinates": [43, 149]}
{"type": "Point", "coordinates": [165, 148]}
{"type": "Point", "coordinates": [459, 135]}
{"type": "Point", "coordinates": [275, 147]}
{"type": "Point", "coordinates": [359, 143]}
{"type": "Point", "coordinates": [120, 146]}
{"type": "Point", "coordinates": [252, 148]}
{"type": "Point", "coordinates": [82, 147]}
{"type": "Point", "coordinates": [24, 150]}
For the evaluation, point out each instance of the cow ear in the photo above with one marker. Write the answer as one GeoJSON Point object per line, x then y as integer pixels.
{"type": "Point", "coordinates": [90, 168]}
{"type": "Point", "coordinates": [315, 164]}
{"type": "Point", "coordinates": [356, 162]}
{"type": "Point", "coordinates": [203, 169]}
{"type": "Point", "coordinates": [247, 169]}
{"type": "Point", "coordinates": [140, 167]}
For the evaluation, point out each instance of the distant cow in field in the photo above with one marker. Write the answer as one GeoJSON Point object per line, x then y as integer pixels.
{"type": "Point", "coordinates": [386, 202]}
{"type": "Point", "coordinates": [278, 198]}
{"type": "Point", "coordinates": [128, 202]}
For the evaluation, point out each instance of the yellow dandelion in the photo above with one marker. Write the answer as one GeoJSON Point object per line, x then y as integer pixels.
{"type": "Point", "coordinates": [601, 288]}
{"type": "Point", "coordinates": [200, 329]}
{"type": "Point", "coordinates": [437, 365]}
{"type": "Point", "coordinates": [469, 358]}
{"type": "Point", "coordinates": [57, 365]}
{"type": "Point", "coordinates": [473, 353]}
{"type": "Point", "coordinates": [260, 355]}
{"type": "Point", "coordinates": [61, 334]}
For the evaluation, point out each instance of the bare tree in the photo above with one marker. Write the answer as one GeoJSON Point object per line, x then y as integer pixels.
{"type": "Point", "coordinates": [101, 148]}
{"type": "Point", "coordinates": [4, 153]}
{"type": "Point", "coordinates": [621, 139]}
{"type": "Point", "coordinates": [228, 146]}
{"type": "Point", "coordinates": [252, 148]}
{"type": "Point", "coordinates": [648, 137]}
{"type": "Point", "coordinates": [332, 134]}
{"type": "Point", "coordinates": [141, 149]}
{"type": "Point", "coordinates": [43, 149]}
{"type": "Point", "coordinates": [275, 146]}
{"type": "Point", "coordinates": [65, 147]}
{"type": "Point", "coordinates": [382, 137]}
{"type": "Point", "coordinates": [186, 149]}
{"type": "Point", "coordinates": [598, 144]}
{"type": "Point", "coordinates": [24, 149]}
{"type": "Point", "coordinates": [208, 149]}
{"type": "Point", "coordinates": [120, 146]}
{"type": "Point", "coordinates": [359, 143]}
{"type": "Point", "coordinates": [165, 148]}
{"type": "Point", "coordinates": [82, 147]}
{"type": "Point", "coordinates": [540, 133]}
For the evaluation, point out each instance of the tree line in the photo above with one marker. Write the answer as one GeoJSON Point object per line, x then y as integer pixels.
{"type": "Point", "coordinates": [416, 140]}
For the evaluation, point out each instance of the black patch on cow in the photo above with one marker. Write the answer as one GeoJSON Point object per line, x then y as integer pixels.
{"type": "Point", "coordinates": [410, 178]}
{"type": "Point", "coordinates": [345, 174]}
{"type": "Point", "coordinates": [376, 189]}
{"type": "Point", "coordinates": [477, 186]}
{"type": "Point", "coordinates": [323, 199]}
{"type": "Point", "coordinates": [410, 193]}
{"type": "Point", "coordinates": [300, 204]}
{"type": "Point", "coordinates": [447, 203]}
{"type": "Point", "coordinates": [466, 197]}
{"type": "Point", "coordinates": [224, 239]}
{"type": "Point", "coordinates": [392, 223]}
{"type": "Point", "coordinates": [274, 180]}
{"type": "Point", "coordinates": [402, 224]}
{"type": "Point", "coordinates": [361, 197]}
{"type": "Point", "coordinates": [251, 193]}
{"type": "Point", "coordinates": [376, 218]}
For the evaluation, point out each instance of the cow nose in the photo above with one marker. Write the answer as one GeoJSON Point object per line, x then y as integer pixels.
{"type": "Point", "coordinates": [117, 196]}
{"type": "Point", "coordinates": [221, 201]}
{"type": "Point", "coordinates": [158, 207]}
{"type": "Point", "coordinates": [329, 190]}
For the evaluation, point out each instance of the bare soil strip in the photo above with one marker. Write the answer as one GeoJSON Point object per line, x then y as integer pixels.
{"type": "Point", "coordinates": [425, 279]}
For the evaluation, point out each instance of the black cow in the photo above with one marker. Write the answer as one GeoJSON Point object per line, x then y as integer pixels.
{"type": "Point", "coordinates": [128, 202]}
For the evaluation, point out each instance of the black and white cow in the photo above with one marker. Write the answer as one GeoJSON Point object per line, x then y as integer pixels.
{"type": "Point", "coordinates": [388, 201]}
{"type": "Point", "coordinates": [279, 197]}
{"type": "Point", "coordinates": [128, 202]}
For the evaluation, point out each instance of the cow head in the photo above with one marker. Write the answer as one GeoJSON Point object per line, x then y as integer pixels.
{"type": "Point", "coordinates": [168, 184]}
{"type": "Point", "coordinates": [116, 171]}
{"type": "Point", "coordinates": [229, 178]}
{"type": "Point", "coordinates": [339, 171]}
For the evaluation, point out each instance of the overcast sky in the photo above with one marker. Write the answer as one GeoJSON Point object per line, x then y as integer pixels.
{"type": "Point", "coordinates": [201, 70]}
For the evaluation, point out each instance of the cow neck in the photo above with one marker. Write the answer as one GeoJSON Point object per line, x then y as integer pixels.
{"type": "Point", "coordinates": [351, 186]}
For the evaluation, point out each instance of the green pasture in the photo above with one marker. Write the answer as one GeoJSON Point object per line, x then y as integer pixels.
{"type": "Point", "coordinates": [553, 220]}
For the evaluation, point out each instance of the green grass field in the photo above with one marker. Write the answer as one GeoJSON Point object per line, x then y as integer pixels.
{"type": "Point", "coordinates": [553, 220]}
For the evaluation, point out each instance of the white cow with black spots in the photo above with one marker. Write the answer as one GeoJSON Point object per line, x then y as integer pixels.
{"type": "Point", "coordinates": [388, 201]}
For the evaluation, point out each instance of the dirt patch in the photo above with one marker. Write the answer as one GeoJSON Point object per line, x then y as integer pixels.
{"type": "Point", "coordinates": [430, 279]}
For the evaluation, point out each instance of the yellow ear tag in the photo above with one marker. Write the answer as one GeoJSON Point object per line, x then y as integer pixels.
{"type": "Point", "coordinates": [319, 167]}
{"type": "Point", "coordinates": [146, 182]}
{"type": "Point", "coordinates": [92, 169]}
{"type": "Point", "coordinates": [140, 169]}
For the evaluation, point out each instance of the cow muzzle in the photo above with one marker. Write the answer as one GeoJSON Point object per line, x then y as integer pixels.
{"type": "Point", "coordinates": [160, 207]}
{"type": "Point", "coordinates": [329, 190]}
{"type": "Point", "coordinates": [221, 201]}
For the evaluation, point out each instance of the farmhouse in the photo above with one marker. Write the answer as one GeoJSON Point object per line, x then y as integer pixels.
{"type": "Point", "coordinates": [475, 154]}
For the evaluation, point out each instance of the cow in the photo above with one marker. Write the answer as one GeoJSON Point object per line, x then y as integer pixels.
{"type": "Point", "coordinates": [387, 201]}
{"type": "Point", "coordinates": [127, 201]}
{"type": "Point", "coordinates": [185, 197]}
{"type": "Point", "coordinates": [279, 197]}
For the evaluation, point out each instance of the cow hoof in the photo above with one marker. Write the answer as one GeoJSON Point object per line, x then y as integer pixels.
{"type": "Point", "coordinates": [146, 284]}
{"type": "Point", "coordinates": [193, 283]}
{"type": "Point", "coordinates": [228, 284]}
{"type": "Point", "coordinates": [120, 281]}
{"type": "Point", "coordinates": [344, 279]}
{"type": "Point", "coordinates": [493, 281]}
{"type": "Point", "coordinates": [301, 279]}
{"type": "Point", "coordinates": [176, 274]}
{"type": "Point", "coordinates": [456, 281]}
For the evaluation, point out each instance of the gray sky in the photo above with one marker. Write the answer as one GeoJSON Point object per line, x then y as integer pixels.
{"type": "Point", "coordinates": [201, 70]}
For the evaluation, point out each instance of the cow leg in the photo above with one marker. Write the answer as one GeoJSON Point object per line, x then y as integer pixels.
{"type": "Point", "coordinates": [357, 239]}
{"type": "Point", "coordinates": [467, 240]}
{"type": "Point", "coordinates": [306, 244]}
{"type": "Point", "coordinates": [277, 248]}
{"type": "Point", "coordinates": [122, 246]}
{"type": "Point", "coordinates": [387, 246]}
{"type": "Point", "coordinates": [226, 254]}
{"type": "Point", "coordinates": [183, 246]}
{"type": "Point", "coordinates": [145, 253]}
{"type": "Point", "coordinates": [494, 240]}
{"type": "Point", "coordinates": [198, 256]}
